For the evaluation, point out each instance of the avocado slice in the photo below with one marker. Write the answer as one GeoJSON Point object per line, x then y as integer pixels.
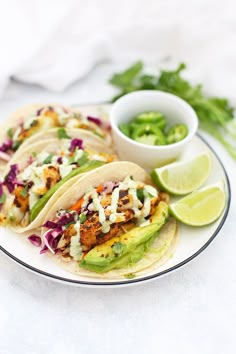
{"type": "Point", "coordinates": [102, 256]}
{"type": "Point", "coordinates": [42, 201]}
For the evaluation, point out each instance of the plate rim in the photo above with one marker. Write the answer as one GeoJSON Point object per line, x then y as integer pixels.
{"type": "Point", "coordinates": [144, 278]}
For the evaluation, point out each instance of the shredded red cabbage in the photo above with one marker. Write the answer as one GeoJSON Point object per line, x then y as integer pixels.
{"type": "Point", "coordinates": [35, 240]}
{"type": "Point", "coordinates": [1, 189]}
{"type": "Point", "coordinates": [39, 111]}
{"type": "Point", "coordinates": [66, 219]}
{"type": "Point", "coordinates": [59, 160]}
{"type": "Point", "coordinates": [76, 143]}
{"type": "Point", "coordinates": [50, 225]}
{"type": "Point", "coordinates": [7, 145]}
{"type": "Point", "coordinates": [109, 186]}
{"type": "Point", "coordinates": [99, 122]}
{"type": "Point", "coordinates": [51, 240]}
{"type": "Point", "coordinates": [10, 179]}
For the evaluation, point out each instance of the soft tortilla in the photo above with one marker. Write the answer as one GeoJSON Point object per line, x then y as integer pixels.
{"type": "Point", "coordinates": [115, 171]}
{"type": "Point", "coordinates": [159, 253]}
{"type": "Point", "coordinates": [20, 114]}
{"type": "Point", "coordinates": [50, 146]}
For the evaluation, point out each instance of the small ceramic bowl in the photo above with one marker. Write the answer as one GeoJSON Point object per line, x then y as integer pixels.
{"type": "Point", "coordinates": [175, 110]}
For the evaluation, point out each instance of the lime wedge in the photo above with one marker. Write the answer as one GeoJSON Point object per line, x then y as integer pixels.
{"type": "Point", "coordinates": [183, 177]}
{"type": "Point", "coordinates": [201, 207]}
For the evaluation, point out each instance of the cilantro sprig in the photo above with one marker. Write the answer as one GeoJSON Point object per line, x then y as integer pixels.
{"type": "Point", "coordinates": [215, 114]}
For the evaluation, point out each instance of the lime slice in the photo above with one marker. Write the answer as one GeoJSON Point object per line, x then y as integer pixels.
{"type": "Point", "coordinates": [183, 177]}
{"type": "Point", "coordinates": [201, 207]}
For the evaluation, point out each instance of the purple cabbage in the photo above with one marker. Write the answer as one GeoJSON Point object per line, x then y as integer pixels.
{"type": "Point", "coordinates": [51, 239]}
{"type": "Point", "coordinates": [76, 143]}
{"type": "Point", "coordinates": [10, 179]}
{"type": "Point", "coordinates": [50, 225]}
{"type": "Point", "coordinates": [7, 145]}
{"type": "Point", "coordinates": [39, 111]}
{"type": "Point", "coordinates": [109, 186]}
{"type": "Point", "coordinates": [35, 240]}
{"type": "Point", "coordinates": [99, 122]}
{"type": "Point", "coordinates": [59, 160]}
{"type": "Point", "coordinates": [66, 219]}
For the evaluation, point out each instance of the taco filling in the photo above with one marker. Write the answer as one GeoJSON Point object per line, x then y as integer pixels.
{"type": "Point", "coordinates": [31, 184]}
{"type": "Point", "coordinates": [45, 118]}
{"type": "Point", "coordinates": [108, 224]}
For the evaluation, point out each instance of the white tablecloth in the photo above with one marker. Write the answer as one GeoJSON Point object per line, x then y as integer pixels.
{"type": "Point", "coordinates": [190, 311]}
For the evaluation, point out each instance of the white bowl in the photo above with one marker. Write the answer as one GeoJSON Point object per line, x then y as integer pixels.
{"type": "Point", "coordinates": [172, 107]}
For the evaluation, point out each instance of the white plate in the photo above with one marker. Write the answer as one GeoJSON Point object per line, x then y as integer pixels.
{"type": "Point", "coordinates": [191, 242]}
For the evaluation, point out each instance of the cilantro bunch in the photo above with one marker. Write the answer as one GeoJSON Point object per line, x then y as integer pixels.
{"type": "Point", "coordinates": [215, 114]}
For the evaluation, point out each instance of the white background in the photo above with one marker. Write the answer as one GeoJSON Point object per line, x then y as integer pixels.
{"type": "Point", "coordinates": [190, 311]}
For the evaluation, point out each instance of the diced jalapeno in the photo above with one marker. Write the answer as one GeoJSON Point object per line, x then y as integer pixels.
{"type": "Point", "coordinates": [176, 133]}
{"type": "Point", "coordinates": [125, 129]}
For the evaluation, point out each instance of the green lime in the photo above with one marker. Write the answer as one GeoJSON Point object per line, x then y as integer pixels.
{"type": "Point", "coordinates": [183, 177]}
{"type": "Point", "coordinates": [201, 207]}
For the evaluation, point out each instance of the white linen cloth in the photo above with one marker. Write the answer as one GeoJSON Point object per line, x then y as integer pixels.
{"type": "Point", "coordinates": [53, 43]}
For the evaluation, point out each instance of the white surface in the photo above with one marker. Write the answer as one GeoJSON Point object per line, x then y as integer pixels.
{"type": "Point", "coordinates": [54, 42]}
{"type": "Point", "coordinates": [191, 311]}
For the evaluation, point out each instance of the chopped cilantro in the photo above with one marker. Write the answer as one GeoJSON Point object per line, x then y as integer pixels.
{"type": "Point", "coordinates": [10, 132]}
{"type": "Point", "coordinates": [82, 218]}
{"type": "Point", "coordinates": [2, 198]}
{"type": "Point", "coordinates": [24, 191]}
{"type": "Point", "coordinates": [48, 159]}
{"type": "Point", "coordinates": [129, 276]}
{"type": "Point", "coordinates": [16, 145]}
{"type": "Point", "coordinates": [83, 160]}
{"type": "Point", "coordinates": [61, 134]}
{"type": "Point", "coordinates": [34, 154]}
{"type": "Point", "coordinates": [118, 248]}
{"type": "Point", "coordinates": [10, 218]}
{"type": "Point", "coordinates": [68, 225]}
{"type": "Point", "coordinates": [140, 194]}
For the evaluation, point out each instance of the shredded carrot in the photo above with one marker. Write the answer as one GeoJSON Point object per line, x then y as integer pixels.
{"type": "Point", "coordinates": [84, 254]}
{"type": "Point", "coordinates": [77, 205]}
{"type": "Point", "coordinates": [99, 189]}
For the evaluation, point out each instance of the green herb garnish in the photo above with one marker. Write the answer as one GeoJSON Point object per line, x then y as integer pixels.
{"type": "Point", "coordinates": [62, 134]}
{"type": "Point", "coordinates": [24, 191]}
{"type": "Point", "coordinates": [34, 154]}
{"type": "Point", "coordinates": [83, 159]}
{"type": "Point", "coordinates": [10, 132]}
{"type": "Point", "coordinates": [215, 114]}
{"type": "Point", "coordinates": [129, 276]}
{"type": "Point", "coordinates": [140, 194]}
{"type": "Point", "coordinates": [16, 145]}
{"type": "Point", "coordinates": [3, 198]}
{"type": "Point", "coordinates": [82, 218]}
{"type": "Point", "coordinates": [48, 159]}
{"type": "Point", "coordinates": [118, 248]}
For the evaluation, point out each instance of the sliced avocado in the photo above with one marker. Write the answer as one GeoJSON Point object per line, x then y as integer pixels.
{"type": "Point", "coordinates": [42, 201]}
{"type": "Point", "coordinates": [102, 255]}
{"type": "Point", "coordinates": [128, 259]}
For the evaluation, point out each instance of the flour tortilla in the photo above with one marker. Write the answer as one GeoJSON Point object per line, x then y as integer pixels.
{"type": "Point", "coordinates": [50, 146]}
{"type": "Point", "coordinates": [20, 114]}
{"type": "Point", "coordinates": [159, 252]}
{"type": "Point", "coordinates": [40, 141]}
{"type": "Point", "coordinates": [115, 171]}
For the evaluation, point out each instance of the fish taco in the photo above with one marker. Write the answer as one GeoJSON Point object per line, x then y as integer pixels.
{"type": "Point", "coordinates": [22, 127]}
{"type": "Point", "coordinates": [36, 178]}
{"type": "Point", "coordinates": [110, 223]}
